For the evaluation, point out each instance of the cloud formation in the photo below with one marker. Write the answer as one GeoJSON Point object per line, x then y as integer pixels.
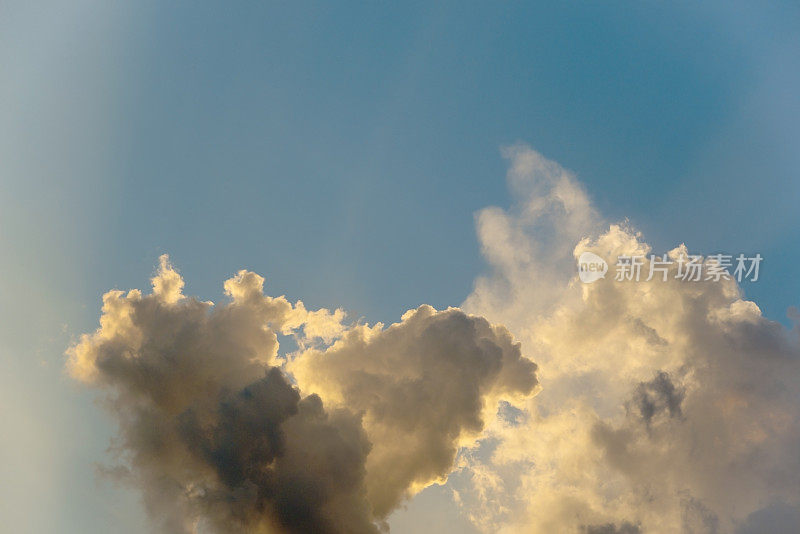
{"type": "Point", "coordinates": [423, 386]}
{"type": "Point", "coordinates": [218, 438]}
{"type": "Point", "coordinates": [666, 406]}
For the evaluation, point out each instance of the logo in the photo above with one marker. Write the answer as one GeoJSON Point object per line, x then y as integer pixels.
{"type": "Point", "coordinates": [591, 267]}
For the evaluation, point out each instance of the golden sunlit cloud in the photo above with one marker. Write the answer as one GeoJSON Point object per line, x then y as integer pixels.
{"type": "Point", "coordinates": [657, 406]}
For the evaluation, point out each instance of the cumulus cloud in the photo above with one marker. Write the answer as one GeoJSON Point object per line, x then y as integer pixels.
{"type": "Point", "coordinates": [422, 386]}
{"type": "Point", "coordinates": [663, 406]}
{"type": "Point", "coordinates": [666, 406]}
{"type": "Point", "coordinates": [219, 438]}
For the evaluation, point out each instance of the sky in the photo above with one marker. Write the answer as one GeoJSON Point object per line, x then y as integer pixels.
{"type": "Point", "coordinates": [347, 154]}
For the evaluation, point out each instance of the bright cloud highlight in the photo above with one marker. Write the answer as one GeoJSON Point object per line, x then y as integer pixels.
{"type": "Point", "coordinates": [661, 406]}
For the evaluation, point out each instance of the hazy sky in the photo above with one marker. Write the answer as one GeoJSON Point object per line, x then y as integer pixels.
{"type": "Point", "coordinates": [342, 153]}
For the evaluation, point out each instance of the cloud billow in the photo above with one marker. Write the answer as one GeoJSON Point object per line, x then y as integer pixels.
{"type": "Point", "coordinates": [660, 406]}
{"type": "Point", "coordinates": [217, 437]}
{"type": "Point", "coordinates": [666, 406]}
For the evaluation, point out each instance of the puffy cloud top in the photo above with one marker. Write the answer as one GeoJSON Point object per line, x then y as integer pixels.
{"type": "Point", "coordinates": [217, 437]}
{"type": "Point", "coordinates": [666, 405]}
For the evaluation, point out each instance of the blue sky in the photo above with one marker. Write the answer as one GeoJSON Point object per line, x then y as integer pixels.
{"type": "Point", "coordinates": [341, 152]}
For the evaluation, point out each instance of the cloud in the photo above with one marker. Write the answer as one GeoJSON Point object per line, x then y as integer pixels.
{"type": "Point", "coordinates": [423, 386]}
{"type": "Point", "coordinates": [776, 518]}
{"type": "Point", "coordinates": [218, 436]}
{"type": "Point", "coordinates": [663, 406]}
{"type": "Point", "coordinates": [670, 406]}
{"type": "Point", "coordinates": [611, 528]}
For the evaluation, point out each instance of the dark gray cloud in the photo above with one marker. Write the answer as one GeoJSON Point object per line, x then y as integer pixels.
{"type": "Point", "coordinates": [219, 439]}
{"type": "Point", "coordinates": [612, 528]}
{"type": "Point", "coordinates": [657, 396]}
{"type": "Point", "coordinates": [776, 518]}
{"type": "Point", "coordinates": [213, 434]}
{"type": "Point", "coordinates": [263, 459]}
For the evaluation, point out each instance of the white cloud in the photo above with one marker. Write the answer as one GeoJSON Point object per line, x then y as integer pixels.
{"type": "Point", "coordinates": [665, 406]}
